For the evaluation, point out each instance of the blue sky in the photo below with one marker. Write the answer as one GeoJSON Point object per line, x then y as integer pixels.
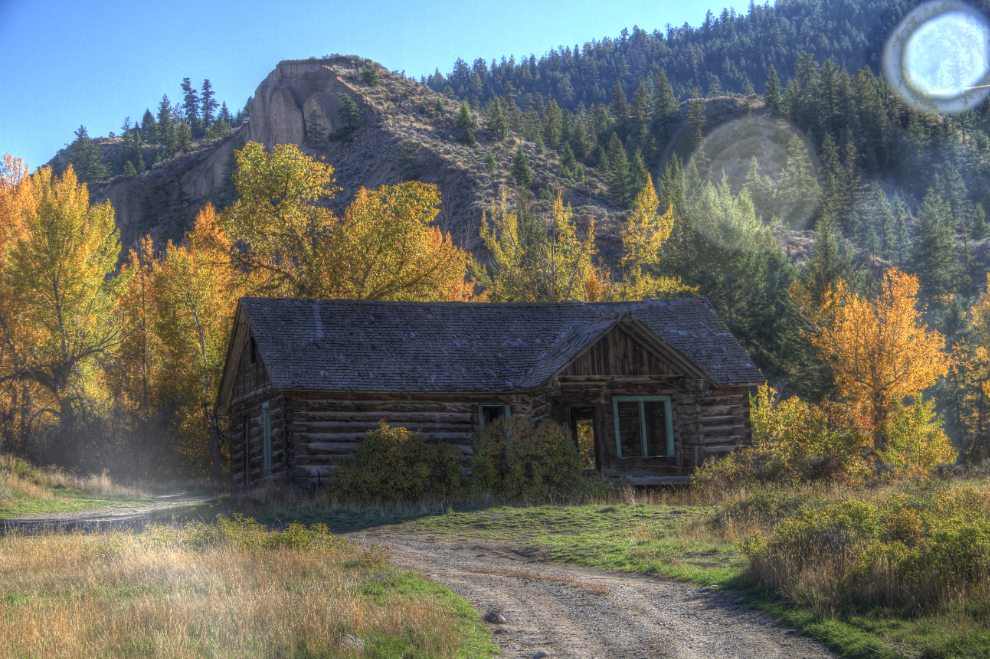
{"type": "Point", "coordinates": [93, 63]}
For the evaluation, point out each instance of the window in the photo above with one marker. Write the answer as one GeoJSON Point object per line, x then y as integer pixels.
{"type": "Point", "coordinates": [644, 426]}
{"type": "Point", "coordinates": [266, 415]}
{"type": "Point", "coordinates": [489, 413]}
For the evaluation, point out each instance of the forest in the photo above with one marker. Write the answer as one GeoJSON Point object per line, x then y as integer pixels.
{"type": "Point", "coordinates": [891, 199]}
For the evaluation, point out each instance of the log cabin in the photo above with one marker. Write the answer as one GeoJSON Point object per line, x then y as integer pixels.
{"type": "Point", "coordinates": [648, 389]}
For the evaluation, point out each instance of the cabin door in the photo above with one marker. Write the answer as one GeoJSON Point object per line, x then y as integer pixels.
{"type": "Point", "coordinates": [585, 432]}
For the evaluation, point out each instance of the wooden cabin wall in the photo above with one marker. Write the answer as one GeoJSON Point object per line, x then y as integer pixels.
{"type": "Point", "coordinates": [252, 388]}
{"type": "Point", "coordinates": [327, 428]}
{"type": "Point", "coordinates": [725, 422]}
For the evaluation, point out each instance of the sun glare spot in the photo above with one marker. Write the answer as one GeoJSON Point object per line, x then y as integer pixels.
{"type": "Point", "coordinates": [938, 57]}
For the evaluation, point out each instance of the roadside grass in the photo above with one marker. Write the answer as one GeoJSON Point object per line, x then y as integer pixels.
{"type": "Point", "coordinates": [690, 536]}
{"type": "Point", "coordinates": [27, 490]}
{"type": "Point", "coordinates": [231, 589]}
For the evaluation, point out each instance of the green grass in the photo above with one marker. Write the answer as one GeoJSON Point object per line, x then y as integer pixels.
{"type": "Point", "coordinates": [63, 501]}
{"type": "Point", "coordinates": [671, 541]}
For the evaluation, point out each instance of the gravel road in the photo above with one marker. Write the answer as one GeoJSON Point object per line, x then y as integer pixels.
{"type": "Point", "coordinates": [555, 610]}
{"type": "Point", "coordinates": [101, 519]}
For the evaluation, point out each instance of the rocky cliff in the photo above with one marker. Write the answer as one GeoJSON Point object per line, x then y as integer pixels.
{"type": "Point", "coordinates": [394, 141]}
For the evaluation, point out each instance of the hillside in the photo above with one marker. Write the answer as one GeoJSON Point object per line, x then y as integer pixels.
{"type": "Point", "coordinates": [394, 141]}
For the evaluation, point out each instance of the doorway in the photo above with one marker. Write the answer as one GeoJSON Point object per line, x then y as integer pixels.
{"type": "Point", "coordinates": [583, 432]}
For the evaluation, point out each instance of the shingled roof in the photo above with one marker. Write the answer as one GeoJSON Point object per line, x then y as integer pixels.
{"type": "Point", "coordinates": [346, 345]}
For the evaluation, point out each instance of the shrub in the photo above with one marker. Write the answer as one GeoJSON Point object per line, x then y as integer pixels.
{"type": "Point", "coordinates": [393, 463]}
{"type": "Point", "coordinates": [909, 548]}
{"type": "Point", "coordinates": [370, 76]}
{"type": "Point", "coordinates": [517, 458]}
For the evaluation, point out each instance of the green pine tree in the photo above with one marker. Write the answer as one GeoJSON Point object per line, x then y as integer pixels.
{"type": "Point", "coordinates": [638, 173]}
{"type": "Point", "coordinates": [316, 132]}
{"type": "Point", "coordinates": [553, 125]}
{"type": "Point", "coordinates": [980, 228]}
{"type": "Point", "coordinates": [491, 163]}
{"type": "Point", "coordinates": [465, 123]}
{"type": "Point", "coordinates": [568, 162]}
{"type": "Point", "coordinates": [665, 115]}
{"type": "Point", "coordinates": [498, 122]}
{"type": "Point", "coordinates": [620, 109]}
{"type": "Point", "coordinates": [190, 101]}
{"type": "Point", "coordinates": [772, 96]}
{"type": "Point", "coordinates": [129, 171]}
{"type": "Point", "coordinates": [438, 105]}
{"type": "Point", "coordinates": [207, 105]}
{"type": "Point", "coordinates": [639, 110]}
{"type": "Point", "coordinates": [520, 168]}
{"type": "Point", "coordinates": [149, 129]}
{"type": "Point", "coordinates": [618, 177]}
{"type": "Point", "coordinates": [696, 118]}
{"type": "Point", "coordinates": [86, 159]}
{"type": "Point", "coordinates": [348, 112]}
{"type": "Point", "coordinates": [934, 247]}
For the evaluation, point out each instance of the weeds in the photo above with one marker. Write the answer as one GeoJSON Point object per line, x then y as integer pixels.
{"type": "Point", "coordinates": [233, 590]}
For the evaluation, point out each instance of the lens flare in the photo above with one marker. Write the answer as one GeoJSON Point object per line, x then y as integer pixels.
{"type": "Point", "coordinates": [938, 57]}
{"type": "Point", "coordinates": [773, 162]}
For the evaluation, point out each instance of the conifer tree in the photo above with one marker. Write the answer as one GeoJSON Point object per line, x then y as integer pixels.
{"type": "Point", "coordinates": [207, 104]}
{"type": "Point", "coordinates": [696, 118]}
{"type": "Point", "coordinates": [715, 88]}
{"type": "Point", "coordinates": [348, 112]}
{"type": "Point", "coordinates": [772, 96]}
{"type": "Point", "coordinates": [498, 122]}
{"type": "Point", "coordinates": [149, 130]}
{"type": "Point", "coordinates": [618, 176]}
{"type": "Point", "coordinates": [620, 109]}
{"type": "Point", "coordinates": [980, 228]}
{"type": "Point", "coordinates": [190, 101]}
{"type": "Point", "coordinates": [638, 173]}
{"type": "Point", "coordinates": [167, 133]}
{"type": "Point", "coordinates": [491, 163]}
{"type": "Point", "coordinates": [568, 163]}
{"type": "Point", "coordinates": [665, 114]}
{"type": "Point", "coordinates": [86, 158]}
{"type": "Point", "coordinates": [934, 247]}
{"type": "Point", "coordinates": [553, 125]}
{"type": "Point", "coordinates": [520, 168]}
{"type": "Point", "coordinates": [639, 111]}
{"type": "Point", "coordinates": [129, 171]}
{"type": "Point", "coordinates": [316, 132]}
{"type": "Point", "coordinates": [465, 123]}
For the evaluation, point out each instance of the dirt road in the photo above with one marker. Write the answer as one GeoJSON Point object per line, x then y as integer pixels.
{"type": "Point", "coordinates": [554, 610]}
{"type": "Point", "coordinates": [100, 519]}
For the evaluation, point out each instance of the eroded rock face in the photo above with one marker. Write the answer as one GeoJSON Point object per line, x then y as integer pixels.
{"type": "Point", "coordinates": [285, 102]}
{"type": "Point", "coordinates": [164, 201]}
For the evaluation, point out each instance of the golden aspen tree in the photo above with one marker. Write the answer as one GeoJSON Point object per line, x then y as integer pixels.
{"type": "Point", "coordinates": [384, 248]}
{"type": "Point", "coordinates": [880, 349]}
{"type": "Point", "coordinates": [532, 264]}
{"type": "Point", "coordinates": [60, 263]}
{"type": "Point", "coordinates": [194, 302]}
{"type": "Point", "coordinates": [289, 243]}
{"type": "Point", "coordinates": [642, 239]}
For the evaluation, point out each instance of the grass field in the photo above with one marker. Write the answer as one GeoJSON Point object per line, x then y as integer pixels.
{"type": "Point", "coordinates": [688, 537]}
{"type": "Point", "coordinates": [233, 589]}
{"type": "Point", "coordinates": [28, 490]}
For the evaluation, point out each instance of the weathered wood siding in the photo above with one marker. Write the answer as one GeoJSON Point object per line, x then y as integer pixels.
{"type": "Point", "coordinates": [252, 389]}
{"type": "Point", "coordinates": [327, 428]}
{"type": "Point", "coordinates": [705, 423]}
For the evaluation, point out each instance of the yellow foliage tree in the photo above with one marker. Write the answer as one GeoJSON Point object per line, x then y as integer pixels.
{"type": "Point", "coordinates": [282, 234]}
{"type": "Point", "coordinates": [880, 349]}
{"type": "Point", "coordinates": [642, 239]}
{"type": "Point", "coordinates": [532, 264]}
{"type": "Point", "coordinates": [60, 257]}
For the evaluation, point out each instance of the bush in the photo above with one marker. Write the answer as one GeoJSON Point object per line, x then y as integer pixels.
{"type": "Point", "coordinates": [393, 463]}
{"type": "Point", "coordinates": [928, 544]}
{"type": "Point", "coordinates": [516, 458]}
{"type": "Point", "coordinates": [370, 76]}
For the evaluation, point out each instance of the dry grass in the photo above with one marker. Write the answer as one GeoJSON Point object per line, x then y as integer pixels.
{"type": "Point", "coordinates": [18, 477]}
{"type": "Point", "coordinates": [134, 595]}
{"type": "Point", "coordinates": [523, 573]}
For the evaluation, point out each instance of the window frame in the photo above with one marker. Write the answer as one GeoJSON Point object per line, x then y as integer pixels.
{"type": "Point", "coordinates": [481, 413]}
{"type": "Point", "coordinates": [668, 418]}
{"type": "Point", "coordinates": [266, 416]}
